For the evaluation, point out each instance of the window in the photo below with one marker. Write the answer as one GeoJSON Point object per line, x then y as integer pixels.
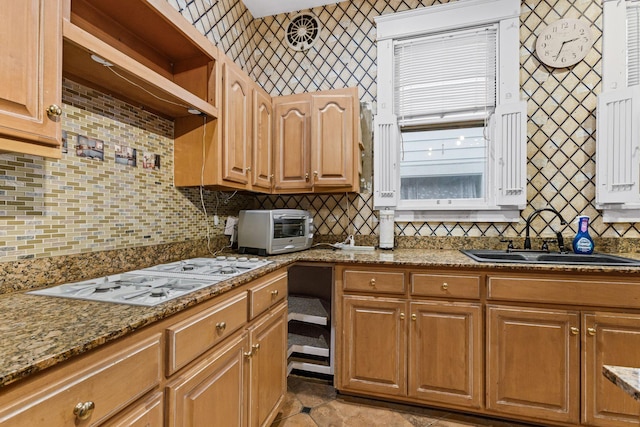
{"type": "Point", "coordinates": [450, 130]}
{"type": "Point", "coordinates": [618, 114]}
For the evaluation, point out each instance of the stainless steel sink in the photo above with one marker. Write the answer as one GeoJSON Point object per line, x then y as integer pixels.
{"type": "Point", "coordinates": [543, 257]}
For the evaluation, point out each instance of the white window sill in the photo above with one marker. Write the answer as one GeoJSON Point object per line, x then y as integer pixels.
{"type": "Point", "coordinates": [489, 215]}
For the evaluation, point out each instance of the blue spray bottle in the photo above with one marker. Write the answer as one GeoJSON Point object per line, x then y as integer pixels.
{"type": "Point", "coordinates": [583, 243]}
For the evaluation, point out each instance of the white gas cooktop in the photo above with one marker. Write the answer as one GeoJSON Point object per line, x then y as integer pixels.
{"type": "Point", "coordinates": [155, 285]}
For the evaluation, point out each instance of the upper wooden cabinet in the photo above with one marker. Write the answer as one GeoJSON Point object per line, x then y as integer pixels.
{"type": "Point", "coordinates": [292, 128]}
{"type": "Point", "coordinates": [30, 69]}
{"type": "Point", "coordinates": [262, 141]}
{"type": "Point", "coordinates": [236, 131]}
{"type": "Point", "coordinates": [234, 153]}
{"type": "Point", "coordinates": [317, 141]}
{"type": "Point", "coordinates": [334, 138]}
{"type": "Point", "coordinates": [158, 59]}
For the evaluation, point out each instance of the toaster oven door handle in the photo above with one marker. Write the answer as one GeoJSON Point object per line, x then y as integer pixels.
{"type": "Point", "coordinates": [290, 217]}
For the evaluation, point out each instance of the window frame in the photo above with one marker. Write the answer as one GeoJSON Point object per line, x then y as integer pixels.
{"type": "Point", "coordinates": [616, 206]}
{"type": "Point", "coordinates": [494, 206]}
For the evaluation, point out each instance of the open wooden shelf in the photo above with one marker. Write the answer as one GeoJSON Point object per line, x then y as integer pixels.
{"type": "Point", "coordinates": [162, 62]}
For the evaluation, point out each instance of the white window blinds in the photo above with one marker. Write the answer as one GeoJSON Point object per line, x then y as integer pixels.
{"type": "Point", "coordinates": [633, 43]}
{"type": "Point", "coordinates": [445, 77]}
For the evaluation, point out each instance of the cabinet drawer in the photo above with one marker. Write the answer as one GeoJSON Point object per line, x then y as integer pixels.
{"type": "Point", "coordinates": [193, 336]}
{"type": "Point", "coordinates": [149, 412]}
{"type": "Point", "coordinates": [382, 282]}
{"type": "Point", "coordinates": [602, 293]}
{"type": "Point", "coordinates": [118, 378]}
{"type": "Point", "coordinates": [445, 285]}
{"type": "Point", "coordinates": [266, 294]}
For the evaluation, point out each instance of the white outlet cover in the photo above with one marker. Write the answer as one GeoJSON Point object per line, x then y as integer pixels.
{"type": "Point", "coordinates": [262, 8]}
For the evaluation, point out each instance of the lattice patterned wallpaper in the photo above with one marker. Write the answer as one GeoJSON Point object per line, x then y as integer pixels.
{"type": "Point", "coordinates": [561, 103]}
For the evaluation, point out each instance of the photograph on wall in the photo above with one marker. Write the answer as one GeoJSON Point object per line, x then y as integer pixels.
{"type": "Point", "coordinates": [89, 147]}
{"type": "Point", "coordinates": [64, 142]}
{"type": "Point", "coordinates": [126, 155]}
{"type": "Point", "coordinates": [151, 161]}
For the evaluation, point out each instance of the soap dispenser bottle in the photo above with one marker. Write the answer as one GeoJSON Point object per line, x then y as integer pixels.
{"type": "Point", "coordinates": [583, 243]}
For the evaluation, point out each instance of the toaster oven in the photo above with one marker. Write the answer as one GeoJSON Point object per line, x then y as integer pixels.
{"type": "Point", "coordinates": [275, 231]}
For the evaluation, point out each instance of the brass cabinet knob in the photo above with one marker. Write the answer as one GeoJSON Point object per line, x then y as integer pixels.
{"type": "Point", "coordinates": [315, 173]}
{"type": "Point", "coordinates": [401, 316]}
{"type": "Point", "coordinates": [221, 326]}
{"type": "Point", "coordinates": [253, 352]}
{"type": "Point", "coordinates": [591, 331]}
{"type": "Point", "coordinates": [248, 170]}
{"type": "Point", "coordinates": [574, 330]}
{"type": "Point", "coordinates": [82, 411]}
{"type": "Point", "coordinates": [274, 293]}
{"type": "Point", "coordinates": [271, 177]}
{"type": "Point", "coordinates": [306, 176]}
{"type": "Point", "coordinates": [372, 283]}
{"type": "Point", "coordinates": [414, 316]}
{"type": "Point", "coordinates": [445, 286]}
{"type": "Point", "coordinates": [54, 110]}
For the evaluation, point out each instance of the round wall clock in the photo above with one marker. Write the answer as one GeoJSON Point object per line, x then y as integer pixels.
{"type": "Point", "coordinates": [564, 42]}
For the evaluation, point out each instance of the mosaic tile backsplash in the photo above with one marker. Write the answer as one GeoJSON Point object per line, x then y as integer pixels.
{"type": "Point", "coordinates": [84, 205]}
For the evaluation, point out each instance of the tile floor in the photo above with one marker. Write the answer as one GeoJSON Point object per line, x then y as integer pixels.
{"type": "Point", "coordinates": [313, 402]}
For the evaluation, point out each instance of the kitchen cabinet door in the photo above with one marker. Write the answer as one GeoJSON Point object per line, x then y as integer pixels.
{"type": "Point", "coordinates": [446, 353]}
{"type": "Point", "coordinates": [292, 145]}
{"type": "Point", "coordinates": [609, 339]}
{"type": "Point", "coordinates": [268, 367]}
{"type": "Point", "coordinates": [374, 345]}
{"type": "Point", "coordinates": [31, 72]}
{"type": "Point", "coordinates": [213, 392]}
{"type": "Point", "coordinates": [237, 126]}
{"type": "Point", "coordinates": [533, 363]}
{"type": "Point", "coordinates": [262, 147]}
{"type": "Point", "coordinates": [333, 139]}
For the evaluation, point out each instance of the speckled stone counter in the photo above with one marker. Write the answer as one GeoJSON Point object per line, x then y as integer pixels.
{"type": "Point", "coordinates": [37, 332]}
{"type": "Point", "coordinates": [628, 379]}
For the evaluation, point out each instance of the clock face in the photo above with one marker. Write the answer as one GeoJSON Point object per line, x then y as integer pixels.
{"type": "Point", "coordinates": [564, 42]}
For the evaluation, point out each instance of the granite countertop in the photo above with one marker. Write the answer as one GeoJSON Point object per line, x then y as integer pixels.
{"type": "Point", "coordinates": [628, 379]}
{"type": "Point", "coordinates": [37, 332]}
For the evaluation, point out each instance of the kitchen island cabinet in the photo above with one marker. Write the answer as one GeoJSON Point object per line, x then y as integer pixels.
{"type": "Point", "coordinates": [31, 95]}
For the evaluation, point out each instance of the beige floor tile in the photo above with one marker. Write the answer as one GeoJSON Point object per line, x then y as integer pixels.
{"type": "Point", "coordinates": [311, 392]}
{"type": "Point", "coordinates": [298, 420]}
{"type": "Point", "coordinates": [338, 413]}
{"type": "Point", "coordinates": [315, 403]}
{"type": "Point", "coordinates": [291, 406]}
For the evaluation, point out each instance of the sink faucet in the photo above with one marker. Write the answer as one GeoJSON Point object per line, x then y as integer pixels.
{"type": "Point", "coordinates": [527, 239]}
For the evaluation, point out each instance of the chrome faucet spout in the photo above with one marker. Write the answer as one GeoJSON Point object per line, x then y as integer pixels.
{"type": "Point", "coordinates": [527, 239]}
